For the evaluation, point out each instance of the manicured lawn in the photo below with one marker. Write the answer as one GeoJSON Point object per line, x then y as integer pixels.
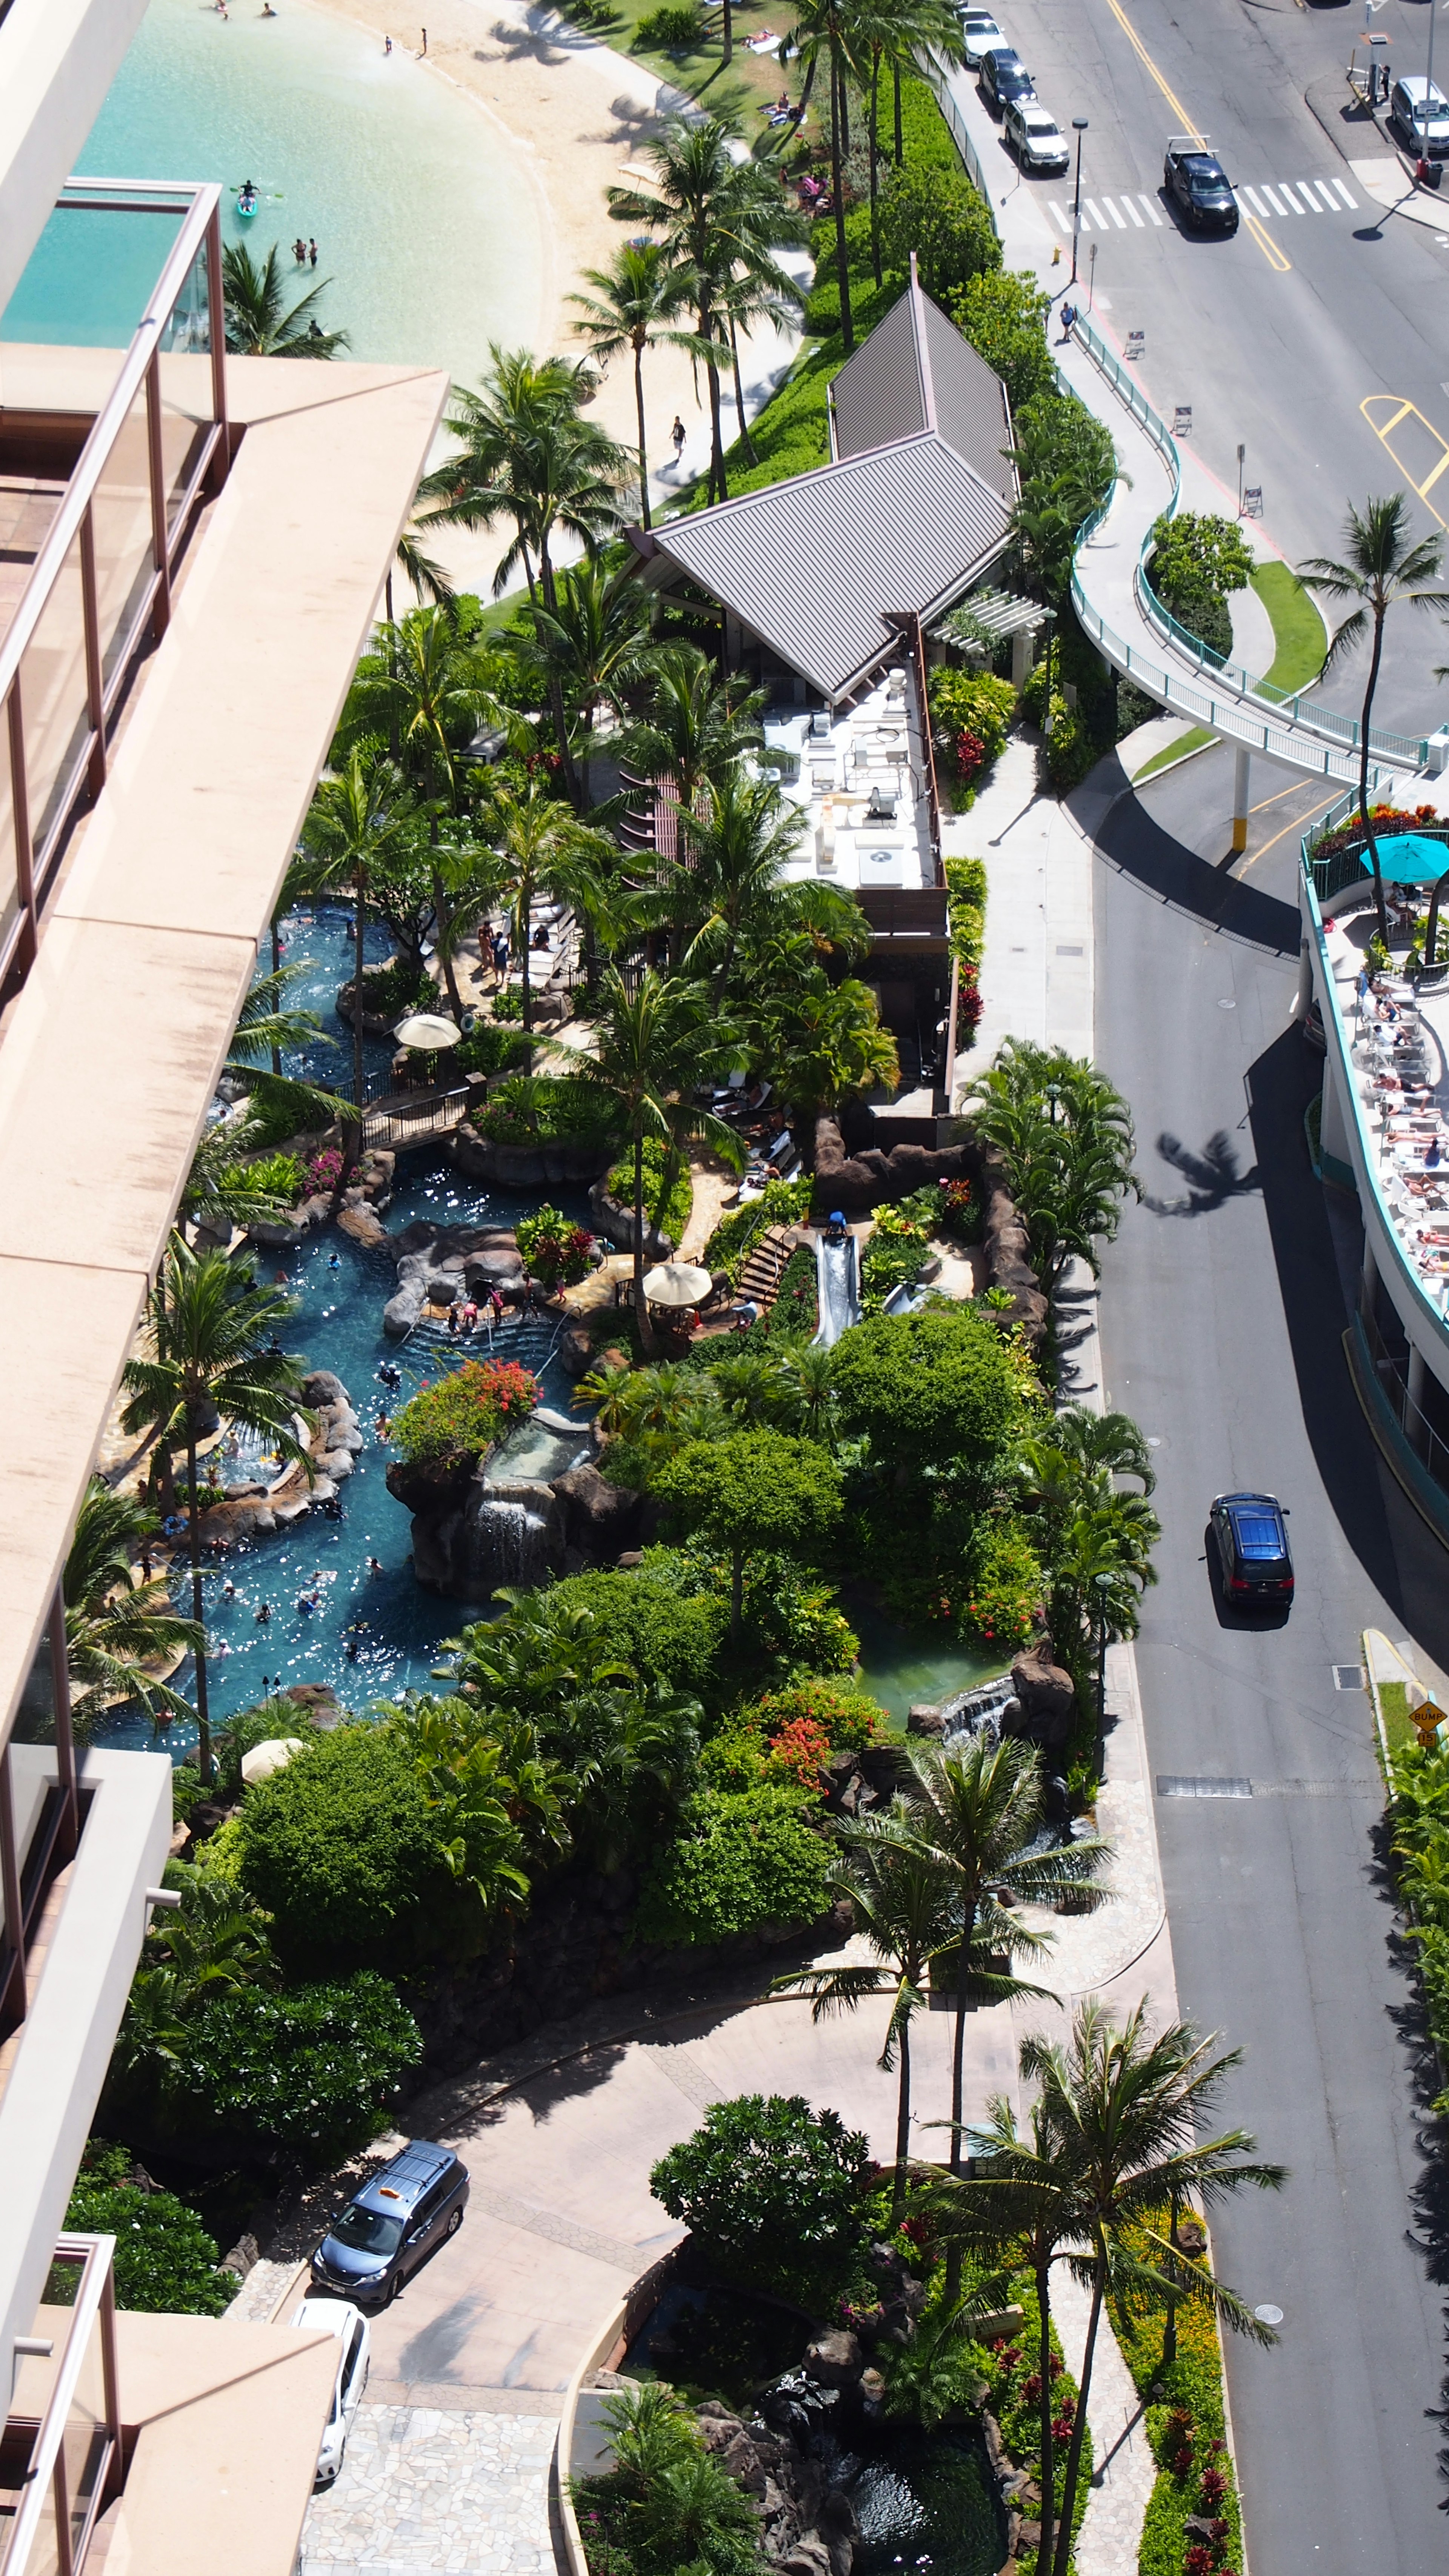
{"type": "Point", "coordinates": [1394, 1708]}
{"type": "Point", "coordinates": [1297, 628]}
{"type": "Point", "coordinates": [1193, 740]}
{"type": "Point", "coordinates": [750, 79]}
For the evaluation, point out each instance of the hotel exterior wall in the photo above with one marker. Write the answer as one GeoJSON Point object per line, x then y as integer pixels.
{"type": "Point", "coordinates": [1424, 1326]}
{"type": "Point", "coordinates": [65, 2041]}
{"type": "Point", "coordinates": [57, 61]}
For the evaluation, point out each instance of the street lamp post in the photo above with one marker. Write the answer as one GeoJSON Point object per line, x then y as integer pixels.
{"type": "Point", "coordinates": [1429, 79]}
{"type": "Point", "coordinates": [1079, 128]}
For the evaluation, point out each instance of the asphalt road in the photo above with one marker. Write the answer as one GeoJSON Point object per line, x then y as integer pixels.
{"type": "Point", "coordinates": [1277, 336]}
{"type": "Point", "coordinates": [1223, 1316]}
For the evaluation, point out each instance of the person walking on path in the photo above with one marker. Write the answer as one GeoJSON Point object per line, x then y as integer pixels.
{"type": "Point", "coordinates": [677, 434]}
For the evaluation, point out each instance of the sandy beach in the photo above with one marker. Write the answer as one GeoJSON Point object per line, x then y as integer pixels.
{"type": "Point", "coordinates": [569, 113]}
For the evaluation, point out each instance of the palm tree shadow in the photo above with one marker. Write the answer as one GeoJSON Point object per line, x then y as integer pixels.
{"type": "Point", "coordinates": [1212, 1176]}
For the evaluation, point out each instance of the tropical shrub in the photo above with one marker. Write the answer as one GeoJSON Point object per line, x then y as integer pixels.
{"type": "Point", "coordinates": [324, 1171]}
{"type": "Point", "coordinates": [933, 1389]}
{"type": "Point", "coordinates": [281, 1175]}
{"type": "Point", "coordinates": [486, 1048]}
{"type": "Point", "coordinates": [848, 1719]}
{"type": "Point", "coordinates": [675, 29]}
{"type": "Point", "coordinates": [164, 2261]}
{"type": "Point", "coordinates": [342, 1851]}
{"type": "Point", "coordinates": [389, 992]}
{"type": "Point", "coordinates": [1004, 313]}
{"type": "Point", "coordinates": [751, 1490]}
{"type": "Point", "coordinates": [543, 1109]}
{"type": "Point", "coordinates": [974, 702]}
{"type": "Point", "coordinates": [670, 1215]}
{"type": "Point", "coordinates": [462, 1414]}
{"type": "Point", "coordinates": [507, 1006]}
{"type": "Point", "coordinates": [773, 2189]}
{"type": "Point", "coordinates": [669, 1633]}
{"type": "Point", "coordinates": [1003, 1588]}
{"type": "Point", "coordinates": [779, 1203]}
{"type": "Point", "coordinates": [935, 212]}
{"type": "Point", "coordinates": [667, 2505]}
{"type": "Point", "coordinates": [314, 2068]}
{"type": "Point", "coordinates": [556, 1252]}
{"type": "Point", "coordinates": [894, 1257]}
{"type": "Point", "coordinates": [742, 1861]}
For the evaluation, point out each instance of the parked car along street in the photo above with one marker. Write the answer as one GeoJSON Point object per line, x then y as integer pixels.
{"type": "Point", "coordinates": [1003, 76]}
{"type": "Point", "coordinates": [1035, 136]}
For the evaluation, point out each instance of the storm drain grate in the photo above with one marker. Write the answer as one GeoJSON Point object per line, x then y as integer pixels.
{"type": "Point", "coordinates": [1070, 952]}
{"type": "Point", "coordinates": [1171, 1784]}
{"type": "Point", "coordinates": [1349, 1677]}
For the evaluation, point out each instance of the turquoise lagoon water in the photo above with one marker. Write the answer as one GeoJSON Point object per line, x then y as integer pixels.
{"type": "Point", "coordinates": [423, 217]}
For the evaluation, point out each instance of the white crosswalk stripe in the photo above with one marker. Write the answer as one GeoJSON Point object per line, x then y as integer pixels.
{"type": "Point", "coordinates": [1098, 218]}
{"type": "Point", "coordinates": [1132, 211]}
{"type": "Point", "coordinates": [1153, 215]}
{"type": "Point", "coordinates": [1350, 202]}
{"type": "Point", "coordinates": [1063, 222]}
{"type": "Point", "coordinates": [1254, 200]}
{"type": "Point", "coordinates": [1119, 220]}
{"type": "Point", "coordinates": [1286, 191]}
{"type": "Point", "coordinates": [1269, 201]}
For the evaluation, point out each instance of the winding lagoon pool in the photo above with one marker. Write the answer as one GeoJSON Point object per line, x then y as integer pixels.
{"type": "Point", "coordinates": [425, 218]}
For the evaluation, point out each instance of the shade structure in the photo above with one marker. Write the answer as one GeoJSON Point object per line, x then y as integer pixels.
{"type": "Point", "coordinates": [272, 1755]}
{"type": "Point", "coordinates": [426, 1031]}
{"type": "Point", "coordinates": [677, 1283]}
{"type": "Point", "coordinates": [1409, 858]}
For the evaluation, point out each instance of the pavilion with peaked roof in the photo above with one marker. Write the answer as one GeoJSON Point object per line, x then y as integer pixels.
{"type": "Point", "coordinates": [816, 577]}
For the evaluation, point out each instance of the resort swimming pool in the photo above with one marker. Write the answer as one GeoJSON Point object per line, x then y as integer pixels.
{"type": "Point", "coordinates": [423, 216]}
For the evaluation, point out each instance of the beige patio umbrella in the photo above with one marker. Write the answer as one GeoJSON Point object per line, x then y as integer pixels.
{"type": "Point", "coordinates": [426, 1031]}
{"type": "Point", "coordinates": [273, 1755]}
{"type": "Point", "coordinates": [677, 1283]}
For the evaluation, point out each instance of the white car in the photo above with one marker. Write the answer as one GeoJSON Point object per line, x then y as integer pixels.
{"type": "Point", "coordinates": [354, 2358]}
{"type": "Point", "coordinates": [979, 32]}
{"type": "Point", "coordinates": [1421, 114]}
{"type": "Point", "coordinates": [1035, 136]}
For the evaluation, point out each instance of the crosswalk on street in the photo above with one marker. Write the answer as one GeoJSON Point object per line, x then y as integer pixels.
{"type": "Point", "coordinates": [1266, 200]}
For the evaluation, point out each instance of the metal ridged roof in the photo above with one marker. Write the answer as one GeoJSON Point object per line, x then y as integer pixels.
{"type": "Point", "coordinates": [917, 372]}
{"type": "Point", "coordinates": [814, 565]}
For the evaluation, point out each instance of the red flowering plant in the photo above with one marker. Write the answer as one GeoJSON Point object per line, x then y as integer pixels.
{"type": "Point", "coordinates": [848, 1720]}
{"type": "Point", "coordinates": [969, 1006]}
{"type": "Point", "coordinates": [969, 754]}
{"type": "Point", "coordinates": [556, 1252]}
{"type": "Point", "coordinates": [325, 1169]}
{"type": "Point", "coordinates": [463, 1414]}
{"type": "Point", "coordinates": [797, 1754]}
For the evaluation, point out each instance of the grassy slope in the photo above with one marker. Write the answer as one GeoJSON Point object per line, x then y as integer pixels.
{"type": "Point", "coordinates": [1297, 628]}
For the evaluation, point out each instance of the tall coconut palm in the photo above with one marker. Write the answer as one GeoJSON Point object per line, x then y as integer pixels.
{"type": "Point", "coordinates": [696, 727]}
{"type": "Point", "coordinates": [659, 1038]}
{"type": "Point", "coordinates": [593, 642]}
{"type": "Point", "coordinates": [1022, 2210]}
{"type": "Point", "coordinates": [1383, 566]}
{"type": "Point", "coordinates": [903, 1911]}
{"type": "Point", "coordinates": [526, 456]}
{"type": "Point", "coordinates": [733, 886]}
{"type": "Point", "coordinates": [635, 305]}
{"type": "Point", "coordinates": [119, 1622]}
{"type": "Point", "coordinates": [208, 1351]}
{"type": "Point", "coordinates": [537, 839]}
{"type": "Point", "coordinates": [755, 290]}
{"type": "Point", "coordinates": [267, 1022]}
{"type": "Point", "coordinates": [710, 213]}
{"type": "Point", "coordinates": [827, 32]}
{"type": "Point", "coordinates": [258, 322]}
{"type": "Point", "coordinates": [352, 827]}
{"type": "Point", "coordinates": [1125, 2110]}
{"type": "Point", "coordinates": [976, 1810]}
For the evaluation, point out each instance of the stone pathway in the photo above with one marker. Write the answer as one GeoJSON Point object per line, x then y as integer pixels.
{"type": "Point", "coordinates": [458, 2493]}
{"type": "Point", "coordinates": [1111, 2532]}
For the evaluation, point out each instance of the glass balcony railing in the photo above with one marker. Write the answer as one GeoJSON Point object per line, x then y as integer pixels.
{"type": "Point", "coordinates": [60, 2454]}
{"type": "Point", "coordinates": [108, 534]}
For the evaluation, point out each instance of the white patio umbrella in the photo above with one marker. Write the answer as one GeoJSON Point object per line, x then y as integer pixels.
{"type": "Point", "coordinates": [273, 1755]}
{"type": "Point", "coordinates": [677, 1283]}
{"type": "Point", "coordinates": [426, 1031]}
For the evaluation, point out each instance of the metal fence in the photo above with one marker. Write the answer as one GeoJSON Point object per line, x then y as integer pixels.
{"type": "Point", "coordinates": [410, 1122]}
{"type": "Point", "coordinates": [100, 588]}
{"type": "Point", "coordinates": [1391, 1379]}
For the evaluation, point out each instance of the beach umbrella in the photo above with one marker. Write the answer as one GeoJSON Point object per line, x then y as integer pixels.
{"type": "Point", "coordinates": [426, 1031]}
{"type": "Point", "coordinates": [273, 1755]}
{"type": "Point", "coordinates": [677, 1283]}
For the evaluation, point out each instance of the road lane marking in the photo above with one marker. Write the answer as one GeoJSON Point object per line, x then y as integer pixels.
{"type": "Point", "coordinates": [1153, 216]}
{"type": "Point", "coordinates": [1286, 191]}
{"type": "Point", "coordinates": [1254, 200]}
{"type": "Point", "coordinates": [1119, 220]}
{"type": "Point", "coordinates": [1094, 211]}
{"type": "Point", "coordinates": [1143, 56]}
{"type": "Point", "coordinates": [1324, 192]}
{"type": "Point", "coordinates": [1272, 200]}
{"type": "Point", "coordinates": [1132, 211]}
{"type": "Point", "coordinates": [1384, 432]}
{"type": "Point", "coordinates": [1269, 248]}
{"type": "Point", "coordinates": [1350, 202]}
{"type": "Point", "coordinates": [1064, 221]}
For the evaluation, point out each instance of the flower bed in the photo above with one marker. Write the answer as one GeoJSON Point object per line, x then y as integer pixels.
{"type": "Point", "coordinates": [1188, 2432]}
{"type": "Point", "coordinates": [464, 1413]}
{"type": "Point", "coordinates": [554, 1251]}
{"type": "Point", "coordinates": [966, 921]}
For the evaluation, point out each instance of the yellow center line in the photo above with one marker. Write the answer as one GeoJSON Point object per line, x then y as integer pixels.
{"type": "Point", "coordinates": [1266, 244]}
{"type": "Point", "coordinates": [1299, 824]}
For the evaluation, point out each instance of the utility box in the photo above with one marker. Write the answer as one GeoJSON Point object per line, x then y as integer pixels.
{"type": "Point", "coordinates": [1438, 752]}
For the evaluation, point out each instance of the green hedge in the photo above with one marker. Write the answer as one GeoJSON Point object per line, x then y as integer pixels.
{"type": "Point", "coordinates": [165, 2261]}
{"type": "Point", "coordinates": [671, 1218]}
{"type": "Point", "coordinates": [341, 1850]}
{"type": "Point", "coordinates": [742, 1861]}
{"type": "Point", "coordinates": [313, 2069]}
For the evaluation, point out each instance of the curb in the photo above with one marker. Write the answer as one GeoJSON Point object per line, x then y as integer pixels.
{"type": "Point", "coordinates": [1150, 777]}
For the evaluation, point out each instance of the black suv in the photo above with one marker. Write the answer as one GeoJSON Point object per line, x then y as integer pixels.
{"type": "Point", "coordinates": [1252, 1551]}
{"type": "Point", "coordinates": [1003, 75]}
{"type": "Point", "coordinates": [393, 2224]}
{"type": "Point", "coordinates": [1198, 185]}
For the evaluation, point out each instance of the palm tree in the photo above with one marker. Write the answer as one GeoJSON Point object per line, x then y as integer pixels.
{"type": "Point", "coordinates": [593, 642]}
{"type": "Point", "coordinates": [257, 326]}
{"type": "Point", "coordinates": [538, 840]}
{"type": "Point", "coordinates": [758, 291]}
{"type": "Point", "coordinates": [711, 214]}
{"type": "Point", "coordinates": [1021, 2209]}
{"type": "Point", "coordinates": [351, 826]}
{"type": "Point", "coordinates": [976, 1810]}
{"type": "Point", "coordinates": [526, 456]}
{"type": "Point", "coordinates": [732, 884]}
{"type": "Point", "coordinates": [635, 306]}
{"type": "Point", "coordinates": [118, 1624]}
{"type": "Point", "coordinates": [896, 32]}
{"type": "Point", "coordinates": [221, 1190]}
{"type": "Point", "coordinates": [658, 1040]}
{"type": "Point", "coordinates": [825, 28]}
{"type": "Point", "coordinates": [826, 1039]}
{"type": "Point", "coordinates": [1124, 2110]}
{"type": "Point", "coordinates": [1383, 565]}
{"type": "Point", "coordinates": [903, 1911]}
{"type": "Point", "coordinates": [268, 1022]}
{"type": "Point", "coordinates": [210, 1350]}
{"type": "Point", "coordinates": [1065, 1136]}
